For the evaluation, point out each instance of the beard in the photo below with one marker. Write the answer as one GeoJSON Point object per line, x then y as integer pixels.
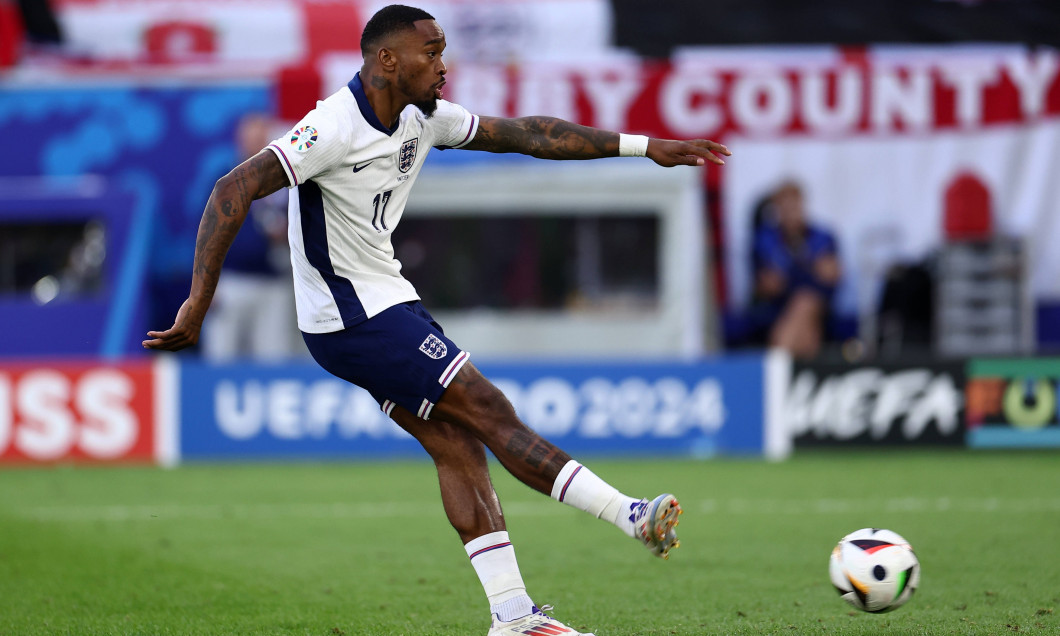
{"type": "Point", "coordinates": [426, 105]}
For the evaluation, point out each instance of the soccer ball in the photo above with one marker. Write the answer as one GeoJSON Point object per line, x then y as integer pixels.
{"type": "Point", "coordinates": [874, 570]}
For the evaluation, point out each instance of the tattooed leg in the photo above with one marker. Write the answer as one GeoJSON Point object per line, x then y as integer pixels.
{"type": "Point", "coordinates": [473, 403]}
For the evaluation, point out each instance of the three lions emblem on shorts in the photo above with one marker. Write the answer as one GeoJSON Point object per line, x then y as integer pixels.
{"type": "Point", "coordinates": [434, 347]}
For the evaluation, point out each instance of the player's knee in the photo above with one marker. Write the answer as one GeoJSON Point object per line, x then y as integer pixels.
{"type": "Point", "coordinates": [485, 401]}
{"type": "Point", "coordinates": [480, 406]}
{"type": "Point", "coordinates": [454, 446]}
{"type": "Point", "coordinates": [475, 404]}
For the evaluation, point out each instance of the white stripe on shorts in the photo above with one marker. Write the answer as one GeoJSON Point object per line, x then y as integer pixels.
{"type": "Point", "coordinates": [451, 370]}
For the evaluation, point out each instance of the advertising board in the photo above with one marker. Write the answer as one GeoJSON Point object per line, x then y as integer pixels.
{"type": "Point", "coordinates": [77, 412]}
{"type": "Point", "coordinates": [660, 408]}
{"type": "Point", "coordinates": [1012, 403]}
{"type": "Point", "coordinates": [887, 403]}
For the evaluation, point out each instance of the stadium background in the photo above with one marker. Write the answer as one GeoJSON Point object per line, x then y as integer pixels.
{"type": "Point", "coordinates": [924, 134]}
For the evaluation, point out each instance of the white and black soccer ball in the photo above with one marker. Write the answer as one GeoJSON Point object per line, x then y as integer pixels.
{"type": "Point", "coordinates": [874, 570]}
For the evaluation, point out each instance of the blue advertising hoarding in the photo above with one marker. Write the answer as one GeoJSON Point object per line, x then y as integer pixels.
{"type": "Point", "coordinates": [107, 311]}
{"type": "Point", "coordinates": [138, 157]}
{"type": "Point", "coordinates": [298, 411]}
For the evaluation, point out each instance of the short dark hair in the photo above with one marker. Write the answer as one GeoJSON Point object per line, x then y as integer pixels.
{"type": "Point", "coordinates": [390, 19]}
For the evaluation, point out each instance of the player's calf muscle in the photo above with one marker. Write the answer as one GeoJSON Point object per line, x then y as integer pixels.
{"type": "Point", "coordinates": [536, 452]}
{"type": "Point", "coordinates": [475, 403]}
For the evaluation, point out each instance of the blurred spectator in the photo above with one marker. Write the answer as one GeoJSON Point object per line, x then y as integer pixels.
{"type": "Point", "coordinates": [40, 23]}
{"type": "Point", "coordinates": [906, 316]}
{"type": "Point", "coordinates": [252, 313]}
{"type": "Point", "coordinates": [796, 270]}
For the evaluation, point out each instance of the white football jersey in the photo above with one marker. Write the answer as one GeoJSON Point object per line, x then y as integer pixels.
{"type": "Point", "coordinates": [350, 178]}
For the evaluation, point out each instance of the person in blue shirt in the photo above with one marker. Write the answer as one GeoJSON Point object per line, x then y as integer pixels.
{"type": "Point", "coordinates": [796, 270]}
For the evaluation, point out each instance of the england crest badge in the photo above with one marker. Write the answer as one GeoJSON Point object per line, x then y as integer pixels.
{"type": "Point", "coordinates": [434, 347]}
{"type": "Point", "coordinates": [407, 155]}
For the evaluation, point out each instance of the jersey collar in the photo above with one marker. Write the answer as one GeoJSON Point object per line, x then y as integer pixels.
{"type": "Point", "coordinates": [357, 88]}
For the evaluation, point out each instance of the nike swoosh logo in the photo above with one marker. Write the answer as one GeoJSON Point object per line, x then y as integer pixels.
{"type": "Point", "coordinates": [359, 168]}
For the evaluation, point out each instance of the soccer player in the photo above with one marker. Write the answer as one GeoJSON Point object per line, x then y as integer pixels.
{"type": "Point", "coordinates": [350, 164]}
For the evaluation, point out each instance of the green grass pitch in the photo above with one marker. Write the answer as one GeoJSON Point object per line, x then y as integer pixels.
{"type": "Point", "coordinates": [327, 549]}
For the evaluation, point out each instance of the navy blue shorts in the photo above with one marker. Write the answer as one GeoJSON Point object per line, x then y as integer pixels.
{"type": "Point", "coordinates": [400, 356]}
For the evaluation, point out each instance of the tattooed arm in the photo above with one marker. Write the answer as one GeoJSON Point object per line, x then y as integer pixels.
{"type": "Point", "coordinates": [551, 138]}
{"type": "Point", "coordinates": [257, 177]}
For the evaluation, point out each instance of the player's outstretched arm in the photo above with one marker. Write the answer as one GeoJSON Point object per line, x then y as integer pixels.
{"type": "Point", "coordinates": [257, 177]}
{"type": "Point", "coordinates": [552, 138]}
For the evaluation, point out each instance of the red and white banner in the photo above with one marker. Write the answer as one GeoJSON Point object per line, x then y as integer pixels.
{"type": "Point", "coordinates": [828, 92]}
{"type": "Point", "coordinates": [78, 412]}
{"type": "Point", "coordinates": [885, 199]}
{"type": "Point", "coordinates": [875, 137]}
{"type": "Point", "coordinates": [258, 36]}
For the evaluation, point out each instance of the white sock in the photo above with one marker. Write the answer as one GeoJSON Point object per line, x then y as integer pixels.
{"type": "Point", "coordinates": [493, 558]}
{"type": "Point", "coordinates": [578, 486]}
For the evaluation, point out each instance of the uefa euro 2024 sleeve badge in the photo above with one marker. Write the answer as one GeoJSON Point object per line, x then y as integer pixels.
{"type": "Point", "coordinates": [303, 138]}
{"type": "Point", "coordinates": [407, 155]}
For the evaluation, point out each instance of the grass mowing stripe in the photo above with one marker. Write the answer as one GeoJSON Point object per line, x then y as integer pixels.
{"type": "Point", "coordinates": [390, 510]}
{"type": "Point", "coordinates": [336, 549]}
